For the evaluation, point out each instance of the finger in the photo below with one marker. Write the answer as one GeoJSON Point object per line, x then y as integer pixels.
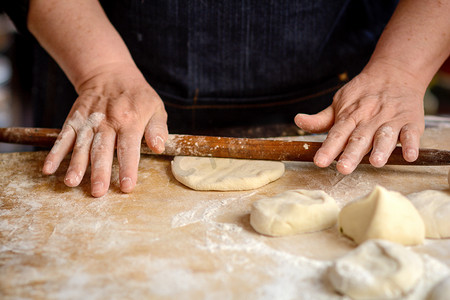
{"type": "Point", "coordinates": [102, 154]}
{"type": "Point", "coordinates": [359, 144]}
{"type": "Point", "coordinates": [317, 123]}
{"type": "Point", "coordinates": [334, 143]}
{"type": "Point", "coordinates": [60, 149]}
{"type": "Point", "coordinates": [156, 132]}
{"type": "Point", "coordinates": [128, 154]}
{"type": "Point", "coordinates": [384, 143]}
{"type": "Point", "coordinates": [80, 157]}
{"type": "Point", "coordinates": [410, 140]}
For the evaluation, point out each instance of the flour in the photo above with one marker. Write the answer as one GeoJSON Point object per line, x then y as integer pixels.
{"type": "Point", "coordinates": [385, 132]}
{"type": "Point", "coordinates": [66, 132]}
{"type": "Point", "coordinates": [97, 143]}
{"type": "Point", "coordinates": [83, 127]}
{"type": "Point", "coordinates": [204, 212]}
{"type": "Point", "coordinates": [290, 275]}
{"type": "Point", "coordinates": [164, 241]}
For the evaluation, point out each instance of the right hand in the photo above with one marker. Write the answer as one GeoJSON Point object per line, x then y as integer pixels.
{"type": "Point", "coordinates": [115, 107]}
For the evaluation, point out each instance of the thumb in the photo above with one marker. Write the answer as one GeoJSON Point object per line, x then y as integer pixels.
{"type": "Point", "coordinates": [317, 123]}
{"type": "Point", "coordinates": [156, 132]}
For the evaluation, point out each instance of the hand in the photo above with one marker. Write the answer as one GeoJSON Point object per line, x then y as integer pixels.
{"type": "Point", "coordinates": [371, 112]}
{"type": "Point", "coordinates": [116, 106]}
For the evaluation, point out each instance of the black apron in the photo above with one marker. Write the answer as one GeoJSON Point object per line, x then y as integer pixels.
{"type": "Point", "coordinates": [232, 63]}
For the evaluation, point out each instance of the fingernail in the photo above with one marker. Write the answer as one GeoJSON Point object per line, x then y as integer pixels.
{"type": "Point", "coordinates": [48, 167]}
{"type": "Point", "coordinates": [343, 163]}
{"type": "Point", "coordinates": [411, 154]}
{"type": "Point", "coordinates": [346, 165]}
{"type": "Point", "coordinates": [298, 120]}
{"type": "Point", "coordinates": [320, 160]}
{"type": "Point", "coordinates": [158, 143]}
{"type": "Point", "coordinates": [72, 178]}
{"type": "Point", "coordinates": [379, 157]}
{"type": "Point", "coordinates": [126, 184]}
{"type": "Point", "coordinates": [97, 187]}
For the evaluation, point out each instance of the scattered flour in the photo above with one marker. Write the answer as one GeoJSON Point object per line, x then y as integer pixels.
{"type": "Point", "coordinates": [115, 247]}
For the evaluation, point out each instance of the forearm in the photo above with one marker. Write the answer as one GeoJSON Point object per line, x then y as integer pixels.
{"type": "Point", "coordinates": [416, 40]}
{"type": "Point", "coordinates": [78, 35]}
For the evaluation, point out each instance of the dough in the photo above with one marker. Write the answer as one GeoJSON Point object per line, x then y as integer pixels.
{"type": "Point", "coordinates": [376, 269]}
{"type": "Point", "coordinates": [434, 207]}
{"type": "Point", "coordinates": [384, 215]}
{"type": "Point", "coordinates": [441, 291]}
{"type": "Point", "coordinates": [224, 174]}
{"type": "Point", "coordinates": [292, 212]}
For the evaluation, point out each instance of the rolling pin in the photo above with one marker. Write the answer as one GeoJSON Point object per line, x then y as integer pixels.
{"type": "Point", "coordinates": [212, 146]}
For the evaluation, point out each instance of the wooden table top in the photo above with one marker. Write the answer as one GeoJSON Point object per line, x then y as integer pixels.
{"type": "Point", "coordinates": [165, 241]}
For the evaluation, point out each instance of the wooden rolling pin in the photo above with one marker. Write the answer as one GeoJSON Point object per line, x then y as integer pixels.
{"type": "Point", "coordinates": [211, 146]}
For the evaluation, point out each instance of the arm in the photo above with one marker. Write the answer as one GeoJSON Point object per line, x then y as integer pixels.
{"type": "Point", "coordinates": [384, 103]}
{"type": "Point", "coordinates": [115, 104]}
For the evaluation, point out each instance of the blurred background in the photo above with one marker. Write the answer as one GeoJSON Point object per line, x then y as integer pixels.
{"type": "Point", "coordinates": [15, 81]}
{"type": "Point", "coordinates": [15, 86]}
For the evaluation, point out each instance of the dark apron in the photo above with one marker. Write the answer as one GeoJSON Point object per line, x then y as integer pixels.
{"type": "Point", "coordinates": [236, 63]}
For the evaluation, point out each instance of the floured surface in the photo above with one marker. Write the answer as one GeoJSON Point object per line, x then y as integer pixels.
{"type": "Point", "coordinates": [167, 241]}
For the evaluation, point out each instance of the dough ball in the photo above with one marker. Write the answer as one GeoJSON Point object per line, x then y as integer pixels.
{"type": "Point", "coordinates": [224, 174]}
{"type": "Point", "coordinates": [383, 215]}
{"type": "Point", "coordinates": [441, 291]}
{"type": "Point", "coordinates": [434, 207]}
{"type": "Point", "coordinates": [448, 179]}
{"type": "Point", "coordinates": [293, 212]}
{"type": "Point", "coordinates": [376, 269]}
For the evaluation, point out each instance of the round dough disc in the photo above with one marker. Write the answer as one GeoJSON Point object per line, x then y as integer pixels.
{"type": "Point", "coordinates": [434, 207]}
{"type": "Point", "coordinates": [383, 215]}
{"type": "Point", "coordinates": [376, 269]}
{"type": "Point", "coordinates": [293, 212]}
{"type": "Point", "coordinates": [224, 174]}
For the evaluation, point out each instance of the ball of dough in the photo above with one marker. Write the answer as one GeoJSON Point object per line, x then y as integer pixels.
{"type": "Point", "coordinates": [223, 174]}
{"type": "Point", "coordinates": [441, 291]}
{"type": "Point", "coordinates": [383, 215]}
{"type": "Point", "coordinates": [293, 212]}
{"type": "Point", "coordinates": [377, 269]}
{"type": "Point", "coordinates": [434, 208]}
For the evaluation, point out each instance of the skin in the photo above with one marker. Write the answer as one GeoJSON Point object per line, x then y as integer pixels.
{"type": "Point", "coordinates": [384, 103]}
{"type": "Point", "coordinates": [116, 106]}
{"type": "Point", "coordinates": [80, 38]}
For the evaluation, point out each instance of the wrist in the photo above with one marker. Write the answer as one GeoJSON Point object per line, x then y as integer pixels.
{"type": "Point", "coordinates": [114, 79]}
{"type": "Point", "coordinates": [395, 71]}
{"type": "Point", "coordinates": [107, 71]}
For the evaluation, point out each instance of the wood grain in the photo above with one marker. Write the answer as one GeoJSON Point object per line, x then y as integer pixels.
{"type": "Point", "coordinates": [212, 146]}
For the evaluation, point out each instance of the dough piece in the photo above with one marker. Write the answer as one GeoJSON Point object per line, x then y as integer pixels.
{"type": "Point", "coordinates": [441, 291]}
{"type": "Point", "coordinates": [293, 212]}
{"type": "Point", "coordinates": [376, 269]}
{"type": "Point", "coordinates": [384, 215]}
{"type": "Point", "coordinates": [434, 207]}
{"type": "Point", "coordinates": [224, 174]}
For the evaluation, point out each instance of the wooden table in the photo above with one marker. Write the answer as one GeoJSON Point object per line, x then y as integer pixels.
{"type": "Point", "coordinates": [165, 241]}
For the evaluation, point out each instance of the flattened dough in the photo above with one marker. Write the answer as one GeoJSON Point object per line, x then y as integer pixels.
{"type": "Point", "coordinates": [434, 207]}
{"type": "Point", "coordinates": [224, 174]}
{"type": "Point", "coordinates": [293, 212]}
{"type": "Point", "coordinates": [383, 215]}
{"type": "Point", "coordinates": [376, 269]}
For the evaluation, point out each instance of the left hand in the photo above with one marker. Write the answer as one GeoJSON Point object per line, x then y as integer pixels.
{"type": "Point", "coordinates": [371, 113]}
